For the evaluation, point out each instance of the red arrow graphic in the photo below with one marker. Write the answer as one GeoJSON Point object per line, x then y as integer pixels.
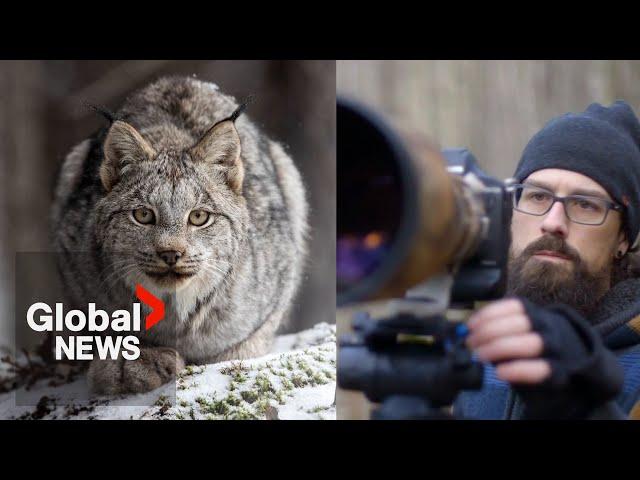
{"type": "Point", "coordinates": [157, 306]}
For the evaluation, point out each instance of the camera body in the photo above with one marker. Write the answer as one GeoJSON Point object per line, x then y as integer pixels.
{"type": "Point", "coordinates": [482, 275]}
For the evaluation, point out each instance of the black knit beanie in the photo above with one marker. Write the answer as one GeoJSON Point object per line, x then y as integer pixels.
{"type": "Point", "coordinates": [602, 143]}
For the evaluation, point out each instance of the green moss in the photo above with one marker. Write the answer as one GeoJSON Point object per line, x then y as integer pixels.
{"type": "Point", "coordinates": [318, 379]}
{"type": "Point", "coordinates": [243, 414]}
{"type": "Point", "coordinates": [286, 363]}
{"type": "Point", "coordinates": [237, 371]}
{"type": "Point", "coordinates": [318, 409]}
{"type": "Point", "coordinates": [298, 380]}
{"type": "Point", "coordinates": [229, 407]}
{"type": "Point", "coordinates": [262, 406]}
{"type": "Point", "coordinates": [234, 367]}
{"type": "Point", "coordinates": [190, 370]}
{"type": "Point", "coordinates": [216, 407]}
{"type": "Point", "coordinates": [263, 384]}
{"type": "Point", "coordinates": [249, 396]}
{"type": "Point", "coordinates": [304, 366]}
{"type": "Point", "coordinates": [233, 400]}
{"type": "Point", "coordinates": [279, 396]}
{"type": "Point", "coordinates": [317, 357]}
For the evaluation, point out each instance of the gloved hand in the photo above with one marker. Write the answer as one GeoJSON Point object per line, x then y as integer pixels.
{"type": "Point", "coordinates": [553, 358]}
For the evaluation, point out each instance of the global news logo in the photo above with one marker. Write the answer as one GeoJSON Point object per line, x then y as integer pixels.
{"type": "Point", "coordinates": [42, 318]}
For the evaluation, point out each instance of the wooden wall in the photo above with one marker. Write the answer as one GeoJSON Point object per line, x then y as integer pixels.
{"type": "Point", "coordinates": [492, 107]}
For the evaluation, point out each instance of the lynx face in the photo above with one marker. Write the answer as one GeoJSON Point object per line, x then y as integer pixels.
{"type": "Point", "coordinates": [172, 219]}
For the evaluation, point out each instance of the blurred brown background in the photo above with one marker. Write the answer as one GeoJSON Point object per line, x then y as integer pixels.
{"type": "Point", "coordinates": [491, 107]}
{"type": "Point", "coordinates": [42, 116]}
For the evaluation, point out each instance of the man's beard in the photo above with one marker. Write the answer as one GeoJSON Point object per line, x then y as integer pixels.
{"type": "Point", "coordinates": [545, 282]}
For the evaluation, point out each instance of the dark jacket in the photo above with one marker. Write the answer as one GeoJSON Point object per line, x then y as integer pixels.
{"type": "Point", "coordinates": [617, 320]}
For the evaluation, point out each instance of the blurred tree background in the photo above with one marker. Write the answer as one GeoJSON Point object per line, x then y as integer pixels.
{"type": "Point", "coordinates": [42, 116]}
{"type": "Point", "coordinates": [492, 107]}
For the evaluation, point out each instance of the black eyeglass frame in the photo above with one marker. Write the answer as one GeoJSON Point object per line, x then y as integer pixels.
{"type": "Point", "coordinates": [610, 205]}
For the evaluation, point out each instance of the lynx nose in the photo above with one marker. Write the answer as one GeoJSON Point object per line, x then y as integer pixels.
{"type": "Point", "coordinates": [170, 257]}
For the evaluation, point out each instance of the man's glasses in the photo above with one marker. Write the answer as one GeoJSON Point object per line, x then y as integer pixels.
{"type": "Point", "coordinates": [583, 209]}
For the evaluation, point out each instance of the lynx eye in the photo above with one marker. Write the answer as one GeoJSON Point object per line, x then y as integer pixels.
{"type": "Point", "coordinates": [144, 215]}
{"type": "Point", "coordinates": [199, 217]}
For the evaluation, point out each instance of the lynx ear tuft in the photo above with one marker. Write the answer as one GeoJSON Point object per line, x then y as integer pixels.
{"type": "Point", "coordinates": [220, 146]}
{"type": "Point", "coordinates": [123, 146]}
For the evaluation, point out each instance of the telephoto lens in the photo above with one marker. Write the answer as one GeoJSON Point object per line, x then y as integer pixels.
{"type": "Point", "coordinates": [401, 216]}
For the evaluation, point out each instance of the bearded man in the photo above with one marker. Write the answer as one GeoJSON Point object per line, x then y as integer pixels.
{"type": "Point", "coordinates": [567, 344]}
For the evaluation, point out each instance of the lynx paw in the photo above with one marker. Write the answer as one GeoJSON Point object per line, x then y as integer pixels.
{"type": "Point", "coordinates": [154, 367]}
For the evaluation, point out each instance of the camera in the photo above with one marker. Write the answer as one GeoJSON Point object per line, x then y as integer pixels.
{"type": "Point", "coordinates": [429, 231]}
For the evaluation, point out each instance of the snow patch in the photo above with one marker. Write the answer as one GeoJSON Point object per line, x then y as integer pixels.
{"type": "Point", "coordinates": [296, 381]}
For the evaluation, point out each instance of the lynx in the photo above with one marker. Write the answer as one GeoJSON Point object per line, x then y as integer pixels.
{"type": "Point", "coordinates": [185, 194]}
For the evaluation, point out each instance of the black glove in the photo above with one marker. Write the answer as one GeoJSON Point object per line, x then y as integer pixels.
{"type": "Point", "coordinates": [584, 373]}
